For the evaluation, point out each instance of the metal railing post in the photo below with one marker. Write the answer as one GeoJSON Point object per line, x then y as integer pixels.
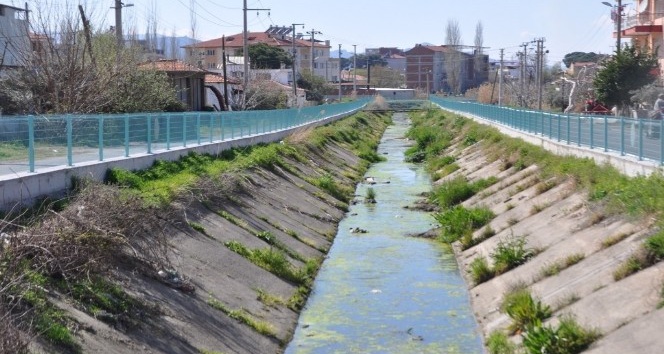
{"type": "Point", "coordinates": [70, 137]}
{"type": "Point", "coordinates": [149, 137]}
{"type": "Point", "coordinates": [101, 137]}
{"type": "Point", "coordinates": [126, 134]}
{"type": "Point", "coordinates": [606, 133]}
{"type": "Point", "coordinates": [198, 128]}
{"type": "Point", "coordinates": [31, 143]}
{"type": "Point", "coordinates": [168, 131]}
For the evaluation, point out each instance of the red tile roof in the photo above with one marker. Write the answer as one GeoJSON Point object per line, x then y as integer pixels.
{"type": "Point", "coordinates": [237, 40]}
{"type": "Point", "coordinates": [171, 65]}
{"type": "Point", "coordinates": [219, 79]}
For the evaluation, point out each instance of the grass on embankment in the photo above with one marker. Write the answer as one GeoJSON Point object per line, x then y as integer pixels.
{"type": "Point", "coordinates": [76, 250]}
{"type": "Point", "coordinates": [434, 131]}
{"type": "Point", "coordinates": [641, 198]}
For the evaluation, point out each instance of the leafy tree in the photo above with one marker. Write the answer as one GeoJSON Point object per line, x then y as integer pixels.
{"type": "Point", "coordinates": [264, 56]}
{"type": "Point", "coordinates": [374, 59]}
{"type": "Point", "coordinates": [628, 70]}
{"type": "Point", "coordinates": [315, 86]}
{"type": "Point", "coordinates": [577, 57]}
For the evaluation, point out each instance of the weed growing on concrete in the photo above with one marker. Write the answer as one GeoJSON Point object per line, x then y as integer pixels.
{"type": "Point", "coordinates": [511, 253]}
{"type": "Point", "coordinates": [459, 221]}
{"type": "Point", "coordinates": [455, 191]}
{"type": "Point", "coordinates": [499, 343]}
{"type": "Point", "coordinates": [269, 299]}
{"type": "Point", "coordinates": [200, 228]}
{"type": "Point", "coordinates": [633, 264]}
{"type": "Point", "coordinates": [650, 252]}
{"type": "Point", "coordinates": [243, 316]}
{"type": "Point", "coordinates": [524, 310]}
{"type": "Point", "coordinates": [567, 338]}
{"type": "Point", "coordinates": [557, 266]}
{"type": "Point", "coordinates": [480, 270]}
{"type": "Point", "coordinates": [567, 300]}
{"type": "Point", "coordinates": [614, 239]}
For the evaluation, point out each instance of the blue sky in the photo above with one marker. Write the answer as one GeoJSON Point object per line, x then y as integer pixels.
{"type": "Point", "coordinates": [567, 25]}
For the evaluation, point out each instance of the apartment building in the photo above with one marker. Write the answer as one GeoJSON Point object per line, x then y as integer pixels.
{"type": "Point", "coordinates": [643, 24]}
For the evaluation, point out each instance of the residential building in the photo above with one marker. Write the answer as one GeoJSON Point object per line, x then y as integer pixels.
{"type": "Point", "coordinates": [188, 80]}
{"type": "Point", "coordinates": [309, 55]}
{"type": "Point", "coordinates": [426, 68]}
{"type": "Point", "coordinates": [14, 36]}
{"type": "Point", "coordinates": [644, 27]}
{"type": "Point", "coordinates": [217, 87]}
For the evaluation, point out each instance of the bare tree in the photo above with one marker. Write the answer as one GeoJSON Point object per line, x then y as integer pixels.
{"type": "Point", "coordinates": [478, 55]}
{"type": "Point", "coordinates": [453, 57]}
{"type": "Point", "coordinates": [59, 76]}
{"type": "Point", "coordinates": [174, 46]}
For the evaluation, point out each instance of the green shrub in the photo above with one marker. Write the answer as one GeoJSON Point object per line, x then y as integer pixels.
{"type": "Point", "coordinates": [568, 338]}
{"type": "Point", "coordinates": [370, 197]}
{"type": "Point", "coordinates": [655, 247]}
{"type": "Point", "coordinates": [452, 192]}
{"type": "Point", "coordinates": [511, 253]}
{"type": "Point", "coordinates": [459, 221]}
{"type": "Point", "coordinates": [499, 343]}
{"type": "Point", "coordinates": [480, 271]}
{"type": "Point", "coordinates": [524, 311]}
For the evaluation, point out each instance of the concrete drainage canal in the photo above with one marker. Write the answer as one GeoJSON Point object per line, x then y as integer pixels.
{"type": "Point", "coordinates": [380, 291]}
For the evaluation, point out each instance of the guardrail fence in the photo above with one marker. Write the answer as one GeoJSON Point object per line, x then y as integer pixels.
{"type": "Point", "coordinates": [627, 136]}
{"type": "Point", "coordinates": [31, 142]}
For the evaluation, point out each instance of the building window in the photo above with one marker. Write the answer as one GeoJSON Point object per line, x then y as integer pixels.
{"type": "Point", "coordinates": [210, 52]}
{"type": "Point", "coordinates": [212, 65]}
{"type": "Point", "coordinates": [2, 10]}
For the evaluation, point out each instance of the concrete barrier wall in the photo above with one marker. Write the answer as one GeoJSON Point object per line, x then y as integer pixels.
{"type": "Point", "coordinates": [25, 189]}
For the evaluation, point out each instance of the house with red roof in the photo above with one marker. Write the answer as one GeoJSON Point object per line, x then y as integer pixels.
{"type": "Point", "coordinates": [189, 81]}
{"type": "Point", "coordinates": [309, 55]}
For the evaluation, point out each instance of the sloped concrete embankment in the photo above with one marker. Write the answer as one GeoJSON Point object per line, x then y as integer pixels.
{"type": "Point", "coordinates": [559, 222]}
{"type": "Point", "coordinates": [237, 306]}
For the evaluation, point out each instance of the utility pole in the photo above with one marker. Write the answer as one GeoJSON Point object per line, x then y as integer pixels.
{"type": "Point", "coordinates": [354, 68]}
{"type": "Point", "coordinates": [339, 72]}
{"type": "Point", "coordinates": [619, 26]}
{"type": "Point", "coordinates": [245, 49]}
{"type": "Point", "coordinates": [522, 79]}
{"type": "Point", "coordinates": [118, 21]}
{"type": "Point", "coordinates": [313, 34]}
{"type": "Point", "coordinates": [223, 61]}
{"type": "Point", "coordinates": [616, 15]}
{"type": "Point", "coordinates": [500, 79]}
{"type": "Point", "coordinates": [539, 56]}
{"type": "Point", "coordinates": [294, 61]}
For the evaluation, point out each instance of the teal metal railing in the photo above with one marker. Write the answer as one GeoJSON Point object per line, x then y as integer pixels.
{"type": "Point", "coordinates": [29, 143]}
{"type": "Point", "coordinates": [639, 137]}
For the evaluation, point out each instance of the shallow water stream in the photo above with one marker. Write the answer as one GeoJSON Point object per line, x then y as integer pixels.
{"type": "Point", "coordinates": [382, 291]}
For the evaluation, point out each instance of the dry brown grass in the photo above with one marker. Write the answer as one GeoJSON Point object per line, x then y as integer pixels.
{"type": "Point", "coordinates": [101, 230]}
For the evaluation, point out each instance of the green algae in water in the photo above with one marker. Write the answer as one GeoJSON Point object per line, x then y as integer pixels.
{"type": "Point", "coordinates": [381, 291]}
